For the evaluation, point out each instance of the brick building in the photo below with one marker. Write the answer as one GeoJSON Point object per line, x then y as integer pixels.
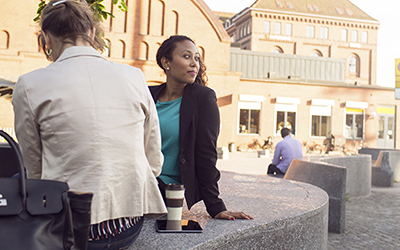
{"type": "Point", "coordinates": [278, 63]}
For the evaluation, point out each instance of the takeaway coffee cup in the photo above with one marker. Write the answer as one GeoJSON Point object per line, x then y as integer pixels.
{"type": "Point", "coordinates": [174, 194]}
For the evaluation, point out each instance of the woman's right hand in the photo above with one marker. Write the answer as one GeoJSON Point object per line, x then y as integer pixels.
{"type": "Point", "coordinates": [228, 215]}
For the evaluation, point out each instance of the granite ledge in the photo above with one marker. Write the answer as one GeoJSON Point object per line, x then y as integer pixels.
{"type": "Point", "coordinates": [287, 215]}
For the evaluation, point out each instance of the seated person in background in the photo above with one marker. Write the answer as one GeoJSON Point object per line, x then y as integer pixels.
{"type": "Point", "coordinates": [285, 151]}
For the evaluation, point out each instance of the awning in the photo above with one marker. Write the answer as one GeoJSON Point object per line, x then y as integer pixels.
{"type": "Point", "coordinates": [224, 97]}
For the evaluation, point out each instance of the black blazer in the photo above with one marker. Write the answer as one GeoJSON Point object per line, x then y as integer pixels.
{"type": "Point", "coordinates": [198, 133]}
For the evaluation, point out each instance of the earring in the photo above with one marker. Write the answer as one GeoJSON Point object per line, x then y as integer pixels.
{"type": "Point", "coordinates": [167, 68]}
{"type": "Point", "coordinates": [49, 51]}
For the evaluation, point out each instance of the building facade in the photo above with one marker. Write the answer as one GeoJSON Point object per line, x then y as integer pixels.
{"type": "Point", "coordinates": [307, 65]}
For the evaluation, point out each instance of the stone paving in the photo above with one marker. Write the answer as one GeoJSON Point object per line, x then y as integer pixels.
{"type": "Point", "coordinates": [372, 222]}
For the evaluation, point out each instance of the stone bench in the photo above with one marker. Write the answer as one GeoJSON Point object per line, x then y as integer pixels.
{"type": "Point", "coordinates": [374, 152]}
{"type": "Point", "coordinates": [386, 167]}
{"type": "Point", "coordinates": [330, 178]}
{"type": "Point", "coordinates": [287, 215]}
{"type": "Point", "coordinates": [358, 176]}
{"type": "Point", "coordinates": [358, 173]}
{"type": "Point", "coordinates": [382, 173]}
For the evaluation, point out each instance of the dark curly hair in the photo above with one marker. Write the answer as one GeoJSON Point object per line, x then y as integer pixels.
{"type": "Point", "coordinates": [69, 20]}
{"type": "Point", "coordinates": [167, 48]}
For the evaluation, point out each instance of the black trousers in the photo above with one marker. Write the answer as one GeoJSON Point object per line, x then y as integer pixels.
{"type": "Point", "coordinates": [272, 169]}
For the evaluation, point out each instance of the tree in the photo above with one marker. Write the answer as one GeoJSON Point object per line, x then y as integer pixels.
{"type": "Point", "coordinates": [98, 8]}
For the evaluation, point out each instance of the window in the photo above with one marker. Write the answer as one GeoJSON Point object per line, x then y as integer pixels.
{"type": "Point", "coordinates": [354, 65]}
{"type": "Point", "coordinates": [354, 128]}
{"type": "Point", "coordinates": [289, 5]}
{"type": "Point", "coordinates": [266, 27]}
{"type": "Point", "coordinates": [349, 12]}
{"type": "Point", "coordinates": [320, 120]}
{"type": "Point", "coordinates": [248, 29]}
{"type": "Point", "coordinates": [344, 35]}
{"type": "Point", "coordinates": [279, 4]}
{"type": "Point", "coordinates": [289, 29]}
{"type": "Point", "coordinates": [286, 116]}
{"type": "Point", "coordinates": [324, 33]}
{"type": "Point", "coordinates": [316, 53]}
{"type": "Point", "coordinates": [312, 7]}
{"type": "Point", "coordinates": [310, 31]}
{"type": "Point", "coordinates": [339, 10]}
{"type": "Point", "coordinates": [354, 36]}
{"type": "Point", "coordinates": [278, 28]}
{"type": "Point", "coordinates": [364, 37]}
{"type": "Point", "coordinates": [249, 117]}
{"type": "Point", "coordinates": [277, 49]}
{"type": "Point", "coordinates": [107, 48]}
{"type": "Point", "coordinates": [286, 119]}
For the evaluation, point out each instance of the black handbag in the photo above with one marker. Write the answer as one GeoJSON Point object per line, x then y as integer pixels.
{"type": "Point", "coordinates": [41, 214]}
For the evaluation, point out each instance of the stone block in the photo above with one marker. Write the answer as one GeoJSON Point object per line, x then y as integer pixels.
{"type": "Point", "coordinates": [263, 153]}
{"type": "Point", "coordinates": [330, 178]}
{"type": "Point", "coordinates": [382, 174]}
{"type": "Point", "coordinates": [223, 153]}
{"type": "Point", "coordinates": [358, 176]}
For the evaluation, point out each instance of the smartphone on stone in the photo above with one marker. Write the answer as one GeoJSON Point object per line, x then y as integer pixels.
{"type": "Point", "coordinates": [188, 226]}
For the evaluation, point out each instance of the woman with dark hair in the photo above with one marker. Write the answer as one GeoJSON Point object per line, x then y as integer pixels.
{"type": "Point", "coordinates": [91, 123]}
{"type": "Point", "coordinates": [189, 122]}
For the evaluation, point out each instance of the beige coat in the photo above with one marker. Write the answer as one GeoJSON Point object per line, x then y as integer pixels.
{"type": "Point", "coordinates": [92, 123]}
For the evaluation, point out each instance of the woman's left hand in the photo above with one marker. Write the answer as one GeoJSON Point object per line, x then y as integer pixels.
{"type": "Point", "coordinates": [228, 215]}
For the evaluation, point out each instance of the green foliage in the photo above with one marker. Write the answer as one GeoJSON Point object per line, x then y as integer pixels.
{"type": "Point", "coordinates": [98, 8]}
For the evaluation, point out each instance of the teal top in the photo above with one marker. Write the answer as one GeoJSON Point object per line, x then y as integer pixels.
{"type": "Point", "coordinates": [168, 115]}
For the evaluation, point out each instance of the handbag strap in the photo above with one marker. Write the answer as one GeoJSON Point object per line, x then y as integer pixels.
{"type": "Point", "coordinates": [18, 157]}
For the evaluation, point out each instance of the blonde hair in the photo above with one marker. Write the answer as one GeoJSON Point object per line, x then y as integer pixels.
{"type": "Point", "coordinates": [69, 20]}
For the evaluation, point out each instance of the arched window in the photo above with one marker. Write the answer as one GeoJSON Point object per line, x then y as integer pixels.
{"type": "Point", "coordinates": [316, 53]}
{"type": "Point", "coordinates": [278, 50]}
{"type": "Point", "coordinates": [144, 51]}
{"type": "Point", "coordinates": [176, 15]}
{"type": "Point", "coordinates": [202, 53]}
{"type": "Point", "coordinates": [4, 39]}
{"type": "Point", "coordinates": [107, 48]}
{"type": "Point", "coordinates": [354, 65]}
{"type": "Point", "coordinates": [156, 17]}
{"type": "Point", "coordinates": [122, 48]}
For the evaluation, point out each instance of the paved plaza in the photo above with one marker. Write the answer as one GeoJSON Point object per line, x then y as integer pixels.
{"type": "Point", "coordinates": [372, 222]}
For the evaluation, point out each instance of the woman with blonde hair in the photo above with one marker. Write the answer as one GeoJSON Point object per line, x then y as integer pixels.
{"type": "Point", "coordinates": [91, 123]}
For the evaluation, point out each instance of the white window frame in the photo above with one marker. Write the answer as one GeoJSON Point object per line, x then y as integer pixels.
{"type": "Point", "coordinates": [354, 36]}
{"type": "Point", "coordinates": [247, 105]}
{"type": "Point", "coordinates": [345, 35]}
{"type": "Point", "coordinates": [354, 108]}
{"type": "Point", "coordinates": [324, 33]}
{"type": "Point", "coordinates": [278, 28]}
{"type": "Point", "coordinates": [310, 31]}
{"type": "Point", "coordinates": [267, 27]}
{"type": "Point", "coordinates": [283, 107]}
{"type": "Point", "coordinates": [320, 111]}
{"type": "Point", "coordinates": [289, 28]}
{"type": "Point", "coordinates": [364, 37]}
